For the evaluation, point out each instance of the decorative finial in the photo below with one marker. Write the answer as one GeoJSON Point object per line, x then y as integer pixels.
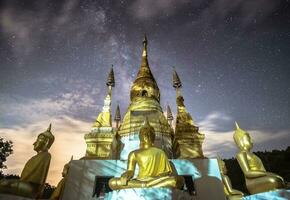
{"type": "Point", "coordinates": [176, 83]}
{"type": "Point", "coordinates": [111, 78]}
{"type": "Point", "coordinates": [169, 113]}
{"type": "Point", "coordinates": [49, 128]}
{"type": "Point", "coordinates": [145, 42]}
{"type": "Point", "coordinates": [145, 39]}
{"type": "Point", "coordinates": [237, 125]}
{"type": "Point", "coordinates": [117, 114]}
{"type": "Point", "coordinates": [146, 122]}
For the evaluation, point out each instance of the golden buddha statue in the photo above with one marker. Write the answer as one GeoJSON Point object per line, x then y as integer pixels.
{"type": "Point", "coordinates": [230, 193]}
{"type": "Point", "coordinates": [35, 171]}
{"type": "Point", "coordinates": [257, 178]}
{"type": "Point", "coordinates": [155, 169]}
{"type": "Point", "coordinates": [57, 193]}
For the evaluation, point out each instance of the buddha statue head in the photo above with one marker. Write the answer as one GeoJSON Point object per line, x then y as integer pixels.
{"type": "Point", "coordinates": [44, 140]}
{"type": "Point", "coordinates": [222, 165]}
{"type": "Point", "coordinates": [242, 139]}
{"type": "Point", "coordinates": [147, 134]}
{"type": "Point", "coordinates": [66, 168]}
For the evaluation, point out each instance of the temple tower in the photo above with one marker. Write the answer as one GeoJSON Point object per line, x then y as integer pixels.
{"type": "Point", "coordinates": [117, 117]}
{"type": "Point", "coordinates": [187, 139]}
{"type": "Point", "coordinates": [169, 115]}
{"type": "Point", "coordinates": [144, 102]}
{"type": "Point", "coordinates": [101, 139]}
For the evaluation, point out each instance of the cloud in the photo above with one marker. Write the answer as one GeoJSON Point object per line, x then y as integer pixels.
{"type": "Point", "coordinates": [214, 121]}
{"type": "Point", "coordinates": [27, 30]}
{"type": "Point", "coordinates": [221, 142]}
{"type": "Point", "coordinates": [69, 140]}
{"type": "Point", "coordinates": [27, 110]}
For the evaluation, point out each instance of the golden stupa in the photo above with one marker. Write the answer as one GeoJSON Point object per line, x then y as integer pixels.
{"type": "Point", "coordinates": [108, 142]}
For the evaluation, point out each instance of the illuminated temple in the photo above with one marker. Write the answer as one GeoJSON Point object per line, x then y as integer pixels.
{"type": "Point", "coordinates": [143, 156]}
{"type": "Point", "coordinates": [107, 142]}
{"type": "Point", "coordinates": [108, 146]}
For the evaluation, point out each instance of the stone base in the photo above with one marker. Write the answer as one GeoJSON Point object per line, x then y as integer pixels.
{"type": "Point", "coordinates": [274, 195]}
{"type": "Point", "coordinates": [12, 197]}
{"type": "Point", "coordinates": [148, 194]}
{"type": "Point", "coordinates": [80, 182]}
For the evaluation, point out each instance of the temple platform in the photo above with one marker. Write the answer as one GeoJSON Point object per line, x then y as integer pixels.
{"type": "Point", "coordinates": [148, 194]}
{"type": "Point", "coordinates": [12, 197]}
{"type": "Point", "coordinates": [88, 179]}
{"type": "Point", "coordinates": [271, 195]}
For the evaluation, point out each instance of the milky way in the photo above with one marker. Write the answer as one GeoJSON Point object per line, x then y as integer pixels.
{"type": "Point", "coordinates": [232, 57]}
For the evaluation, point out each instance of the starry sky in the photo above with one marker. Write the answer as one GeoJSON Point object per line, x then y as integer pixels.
{"type": "Point", "coordinates": [233, 58]}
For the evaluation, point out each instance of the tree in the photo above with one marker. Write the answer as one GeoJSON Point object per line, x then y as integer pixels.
{"type": "Point", "coordinates": [5, 151]}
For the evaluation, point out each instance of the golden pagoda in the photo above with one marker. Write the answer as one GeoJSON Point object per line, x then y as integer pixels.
{"type": "Point", "coordinates": [101, 140]}
{"type": "Point", "coordinates": [107, 142]}
{"type": "Point", "coordinates": [144, 102]}
{"type": "Point", "coordinates": [187, 139]}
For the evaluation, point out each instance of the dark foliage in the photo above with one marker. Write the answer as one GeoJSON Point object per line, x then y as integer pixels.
{"type": "Point", "coordinates": [5, 151]}
{"type": "Point", "coordinates": [276, 161]}
{"type": "Point", "coordinates": [11, 176]}
{"type": "Point", "coordinates": [48, 190]}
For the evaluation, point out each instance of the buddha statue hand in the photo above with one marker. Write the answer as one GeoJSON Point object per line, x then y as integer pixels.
{"type": "Point", "coordinates": [126, 176]}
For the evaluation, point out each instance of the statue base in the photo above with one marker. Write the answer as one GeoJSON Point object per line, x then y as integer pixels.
{"type": "Point", "coordinates": [88, 179]}
{"type": "Point", "coordinates": [12, 197]}
{"type": "Point", "coordinates": [149, 194]}
{"type": "Point", "coordinates": [275, 194]}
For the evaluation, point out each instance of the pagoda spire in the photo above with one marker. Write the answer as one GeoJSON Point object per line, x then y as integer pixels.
{"type": "Point", "coordinates": [169, 115]}
{"type": "Point", "coordinates": [117, 117]}
{"type": "Point", "coordinates": [104, 118]}
{"type": "Point", "coordinates": [145, 69]}
{"type": "Point", "coordinates": [176, 83]}
{"type": "Point", "coordinates": [145, 42]}
{"type": "Point", "coordinates": [111, 78]}
{"type": "Point", "coordinates": [110, 81]}
{"type": "Point", "coordinates": [145, 84]}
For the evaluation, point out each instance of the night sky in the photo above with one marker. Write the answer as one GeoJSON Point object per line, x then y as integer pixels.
{"type": "Point", "coordinates": [233, 58]}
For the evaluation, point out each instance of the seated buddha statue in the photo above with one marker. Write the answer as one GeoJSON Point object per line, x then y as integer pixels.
{"type": "Point", "coordinates": [35, 171]}
{"type": "Point", "coordinates": [230, 193]}
{"type": "Point", "coordinates": [155, 169]}
{"type": "Point", "coordinates": [257, 178]}
{"type": "Point", "coordinates": [58, 192]}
